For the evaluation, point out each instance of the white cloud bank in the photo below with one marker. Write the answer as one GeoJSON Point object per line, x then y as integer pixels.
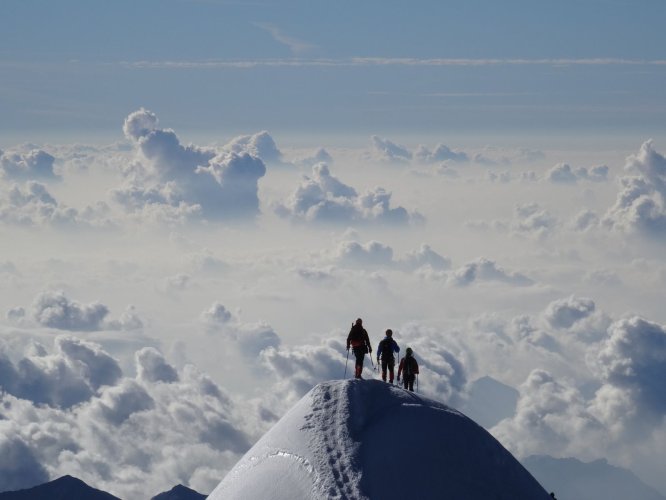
{"type": "Point", "coordinates": [31, 204]}
{"type": "Point", "coordinates": [564, 173]}
{"type": "Point", "coordinates": [53, 309]}
{"type": "Point", "coordinates": [323, 198]}
{"type": "Point", "coordinates": [34, 164]}
{"type": "Point", "coordinates": [75, 412]}
{"type": "Point", "coordinates": [182, 182]}
{"type": "Point", "coordinates": [641, 203]}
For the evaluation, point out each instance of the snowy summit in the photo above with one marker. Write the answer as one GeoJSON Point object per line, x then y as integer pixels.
{"type": "Point", "coordinates": [365, 439]}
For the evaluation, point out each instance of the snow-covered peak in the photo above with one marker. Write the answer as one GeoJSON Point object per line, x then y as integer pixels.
{"type": "Point", "coordinates": [365, 439]}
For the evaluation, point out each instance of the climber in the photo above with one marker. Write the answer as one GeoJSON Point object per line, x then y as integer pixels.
{"type": "Point", "coordinates": [409, 369]}
{"type": "Point", "coordinates": [359, 341]}
{"type": "Point", "coordinates": [385, 351]}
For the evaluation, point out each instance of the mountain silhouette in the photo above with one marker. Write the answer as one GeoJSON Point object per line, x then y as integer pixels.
{"type": "Point", "coordinates": [597, 480]}
{"type": "Point", "coordinates": [179, 492]}
{"type": "Point", "coordinates": [63, 488]}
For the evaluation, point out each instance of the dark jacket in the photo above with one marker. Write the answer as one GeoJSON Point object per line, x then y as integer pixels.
{"type": "Point", "coordinates": [409, 365]}
{"type": "Point", "coordinates": [386, 348]}
{"type": "Point", "coordinates": [358, 337]}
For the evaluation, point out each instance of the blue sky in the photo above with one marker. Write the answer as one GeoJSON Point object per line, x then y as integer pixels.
{"type": "Point", "coordinates": [373, 66]}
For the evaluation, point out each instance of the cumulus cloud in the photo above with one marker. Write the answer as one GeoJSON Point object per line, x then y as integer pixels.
{"type": "Point", "coordinates": [640, 205]}
{"type": "Point", "coordinates": [126, 435]}
{"type": "Point", "coordinates": [128, 320]}
{"type": "Point", "coordinates": [443, 371]}
{"type": "Point", "coordinates": [522, 329]}
{"type": "Point", "coordinates": [19, 467]}
{"type": "Point", "coordinates": [32, 204]}
{"type": "Point", "coordinates": [250, 338]}
{"type": "Point", "coordinates": [486, 270]}
{"type": "Point", "coordinates": [319, 156]}
{"type": "Point", "coordinates": [633, 360]}
{"type": "Point", "coordinates": [298, 369]}
{"type": "Point", "coordinates": [254, 338]}
{"type": "Point", "coordinates": [216, 314]}
{"type": "Point", "coordinates": [585, 220]}
{"type": "Point", "coordinates": [323, 198]}
{"type": "Point", "coordinates": [531, 219]}
{"type": "Point", "coordinates": [424, 256]}
{"type": "Point", "coordinates": [71, 375]}
{"type": "Point", "coordinates": [260, 145]}
{"type": "Point", "coordinates": [499, 177]}
{"type": "Point", "coordinates": [55, 310]}
{"type": "Point", "coordinates": [564, 173]}
{"type": "Point", "coordinates": [34, 164]}
{"type": "Point", "coordinates": [187, 181]}
{"type": "Point", "coordinates": [441, 153]}
{"type": "Point", "coordinates": [390, 152]}
{"type": "Point", "coordinates": [374, 254]}
{"type": "Point", "coordinates": [314, 275]}
{"type": "Point", "coordinates": [153, 367]}
{"type": "Point", "coordinates": [52, 308]}
{"type": "Point", "coordinates": [550, 415]}
{"type": "Point", "coordinates": [371, 254]}
{"type": "Point", "coordinates": [564, 313]}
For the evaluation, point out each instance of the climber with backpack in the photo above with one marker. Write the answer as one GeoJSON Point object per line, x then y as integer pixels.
{"type": "Point", "coordinates": [385, 351]}
{"type": "Point", "coordinates": [359, 341]}
{"type": "Point", "coordinates": [409, 369]}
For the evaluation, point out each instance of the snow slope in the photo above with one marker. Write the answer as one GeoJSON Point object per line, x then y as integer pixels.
{"type": "Point", "coordinates": [365, 439]}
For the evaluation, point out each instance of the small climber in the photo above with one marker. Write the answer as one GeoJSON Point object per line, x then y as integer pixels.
{"type": "Point", "coordinates": [385, 351]}
{"type": "Point", "coordinates": [359, 341]}
{"type": "Point", "coordinates": [409, 369]}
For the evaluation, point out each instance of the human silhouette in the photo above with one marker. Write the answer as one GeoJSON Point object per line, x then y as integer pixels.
{"type": "Point", "coordinates": [387, 346]}
{"type": "Point", "coordinates": [359, 341]}
{"type": "Point", "coordinates": [409, 368]}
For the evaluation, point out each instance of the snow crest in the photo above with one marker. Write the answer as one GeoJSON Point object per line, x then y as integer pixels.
{"type": "Point", "coordinates": [367, 440]}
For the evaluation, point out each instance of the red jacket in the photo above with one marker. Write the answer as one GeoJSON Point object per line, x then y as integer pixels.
{"type": "Point", "coordinates": [410, 368]}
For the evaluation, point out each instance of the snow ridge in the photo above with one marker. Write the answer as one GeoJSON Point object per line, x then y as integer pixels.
{"type": "Point", "coordinates": [368, 440]}
{"type": "Point", "coordinates": [334, 444]}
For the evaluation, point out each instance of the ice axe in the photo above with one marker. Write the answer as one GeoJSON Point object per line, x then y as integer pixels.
{"type": "Point", "coordinates": [346, 362]}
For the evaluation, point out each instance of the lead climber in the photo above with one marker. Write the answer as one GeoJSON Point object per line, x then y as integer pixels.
{"type": "Point", "coordinates": [359, 341]}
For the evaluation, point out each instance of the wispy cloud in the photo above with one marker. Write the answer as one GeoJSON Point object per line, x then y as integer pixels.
{"type": "Point", "coordinates": [295, 45]}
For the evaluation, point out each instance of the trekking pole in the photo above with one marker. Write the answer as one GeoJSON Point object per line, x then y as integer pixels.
{"type": "Point", "coordinates": [346, 362]}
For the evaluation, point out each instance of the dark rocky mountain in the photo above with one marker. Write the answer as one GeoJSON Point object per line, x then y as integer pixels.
{"type": "Point", "coordinates": [63, 488]}
{"type": "Point", "coordinates": [179, 492]}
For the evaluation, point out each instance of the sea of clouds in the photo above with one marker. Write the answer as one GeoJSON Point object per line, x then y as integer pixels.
{"type": "Point", "coordinates": [163, 304]}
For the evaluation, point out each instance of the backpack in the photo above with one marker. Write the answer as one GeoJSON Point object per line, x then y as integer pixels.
{"type": "Point", "coordinates": [410, 365]}
{"type": "Point", "coordinates": [386, 348]}
{"type": "Point", "coordinates": [356, 334]}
